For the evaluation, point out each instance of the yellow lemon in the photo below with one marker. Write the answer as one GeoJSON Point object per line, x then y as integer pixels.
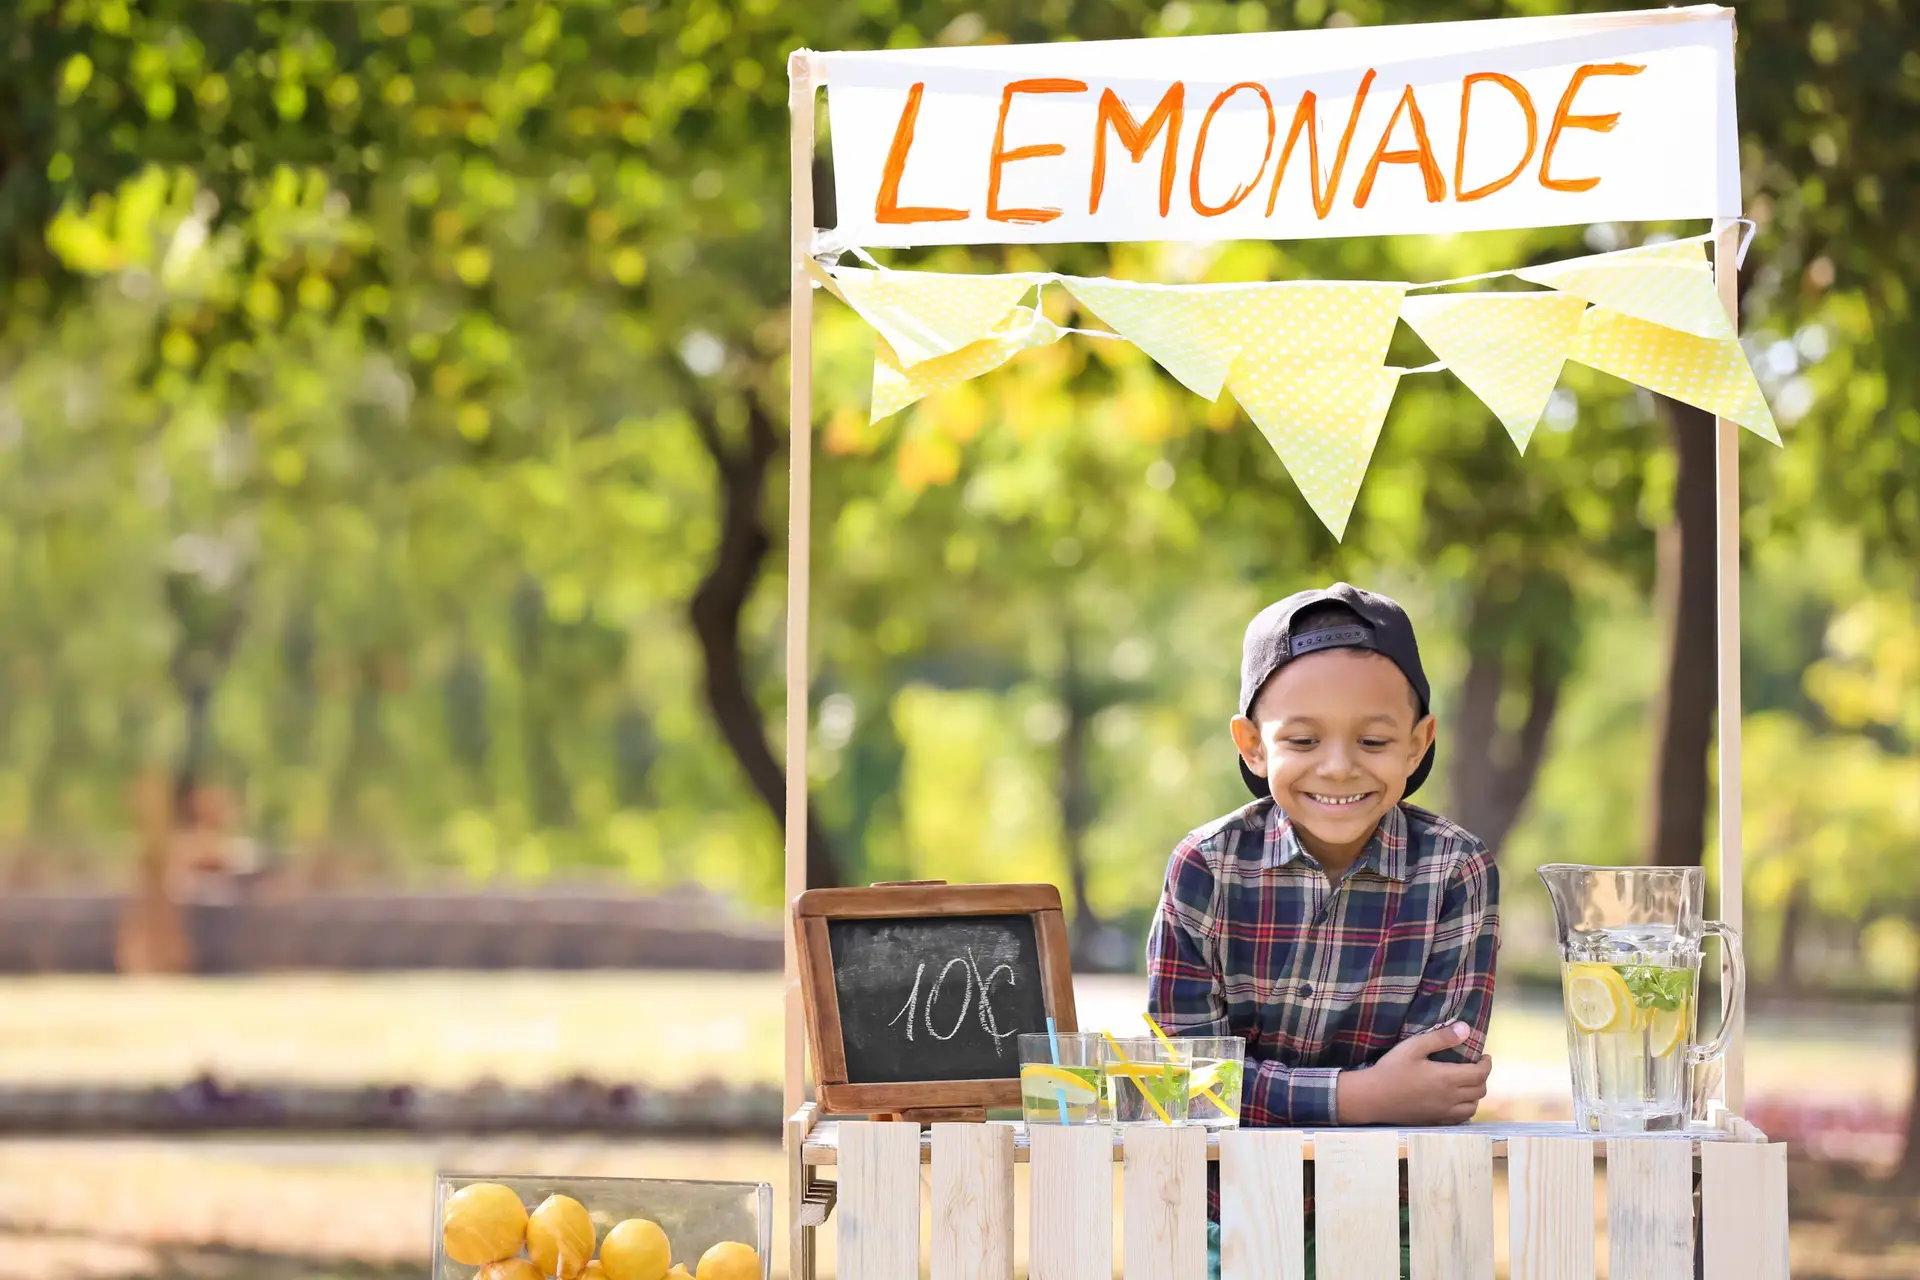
{"type": "Point", "coordinates": [679, 1272]}
{"type": "Point", "coordinates": [594, 1271]}
{"type": "Point", "coordinates": [1666, 1030]}
{"type": "Point", "coordinates": [728, 1260]}
{"type": "Point", "coordinates": [636, 1250]}
{"type": "Point", "coordinates": [483, 1222]}
{"type": "Point", "coordinates": [560, 1237]}
{"type": "Point", "coordinates": [1597, 998]}
{"type": "Point", "coordinates": [509, 1269]}
{"type": "Point", "coordinates": [1041, 1080]}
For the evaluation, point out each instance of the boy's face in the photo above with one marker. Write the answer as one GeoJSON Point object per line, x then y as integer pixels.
{"type": "Point", "coordinates": [1336, 734]}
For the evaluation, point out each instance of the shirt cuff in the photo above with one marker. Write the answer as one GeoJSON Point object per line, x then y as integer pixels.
{"type": "Point", "coordinates": [1296, 1097]}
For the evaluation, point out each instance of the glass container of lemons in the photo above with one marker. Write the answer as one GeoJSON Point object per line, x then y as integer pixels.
{"type": "Point", "coordinates": [490, 1227]}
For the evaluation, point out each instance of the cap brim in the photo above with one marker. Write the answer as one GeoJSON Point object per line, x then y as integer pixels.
{"type": "Point", "coordinates": [1261, 791]}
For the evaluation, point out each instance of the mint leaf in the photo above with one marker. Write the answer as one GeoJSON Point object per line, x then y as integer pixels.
{"type": "Point", "coordinates": [1655, 986]}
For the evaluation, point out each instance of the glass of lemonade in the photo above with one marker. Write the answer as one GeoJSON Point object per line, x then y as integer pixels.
{"type": "Point", "coordinates": [1213, 1092]}
{"type": "Point", "coordinates": [1066, 1091]}
{"type": "Point", "coordinates": [1148, 1080]}
{"type": "Point", "coordinates": [1629, 1022]}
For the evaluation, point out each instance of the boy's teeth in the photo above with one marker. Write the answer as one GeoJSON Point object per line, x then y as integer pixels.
{"type": "Point", "coordinates": [1337, 799]}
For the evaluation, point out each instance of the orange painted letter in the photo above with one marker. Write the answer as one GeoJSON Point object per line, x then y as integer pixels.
{"type": "Point", "coordinates": [1200, 206]}
{"type": "Point", "coordinates": [1136, 138]}
{"type": "Point", "coordinates": [1002, 157]}
{"type": "Point", "coordinates": [1562, 119]}
{"type": "Point", "coordinates": [1307, 116]}
{"type": "Point", "coordinates": [1521, 96]}
{"type": "Point", "coordinates": [886, 205]}
{"type": "Point", "coordinates": [1421, 153]}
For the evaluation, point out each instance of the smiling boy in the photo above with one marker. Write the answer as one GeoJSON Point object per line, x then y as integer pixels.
{"type": "Point", "coordinates": [1347, 936]}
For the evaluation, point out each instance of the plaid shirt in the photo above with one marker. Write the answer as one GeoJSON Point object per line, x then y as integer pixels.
{"type": "Point", "coordinates": [1250, 940]}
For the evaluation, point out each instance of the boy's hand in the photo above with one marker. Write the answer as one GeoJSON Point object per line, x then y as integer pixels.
{"type": "Point", "coordinates": [1407, 1087]}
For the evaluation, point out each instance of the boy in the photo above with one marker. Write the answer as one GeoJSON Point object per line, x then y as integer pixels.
{"type": "Point", "coordinates": [1347, 936]}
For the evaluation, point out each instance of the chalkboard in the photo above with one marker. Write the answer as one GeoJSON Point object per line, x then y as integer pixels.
{"type": "Point", "coordinates": [936, 999]}
{"type": "Point", "coordinates": [915, 994]}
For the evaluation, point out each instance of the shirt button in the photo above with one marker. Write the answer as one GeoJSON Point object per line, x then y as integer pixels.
{"type": "Point", "coordinates": [1306, 991]}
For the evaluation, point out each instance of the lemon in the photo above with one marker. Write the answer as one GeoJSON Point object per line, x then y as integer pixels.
{"type": "Point", "coordinates": [728, 1260]}
{"type": "Point", "coordinates": [1597, 998]}
{"type": "Point", "coordinates": [1666, 1030]}
{"type": "Point", "coordinates": [509, 1269]}
{"type": "Point", "coordinates": [594, 1271]}
{"type": "Point", "coordinates": [560, 1237]}
{"type": "Point", "coordinates": [679, 1272]}
{"type": "Point", "coordinates": [1040, 1079]}
{"type": "Point", "coordinates": [483, 1222]}
{"type": "Point", "coordinates": [636, 1250]}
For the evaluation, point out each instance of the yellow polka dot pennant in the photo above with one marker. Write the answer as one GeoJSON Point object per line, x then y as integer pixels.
{"type": "Point", "coordinates": [1308, 321]}
{"type": "Point", "coordinates": [1178, 325]}
{"type": "Point", "coordinates": [1707, 373]}
{"type": "Point", "coordinates": [895, 387]}
{"type": "Point", "coordinates": [1507, 347]}
{"type": "Point", "coordinates": [1323, 420]}
{"type": "Point", "coordinates": [1668, 284]}
{"type": "Point", "coordinates": [927, 314]}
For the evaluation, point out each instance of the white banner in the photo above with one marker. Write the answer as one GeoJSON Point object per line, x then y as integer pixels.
{"type": "Point", "coordinates": [1441, 127]}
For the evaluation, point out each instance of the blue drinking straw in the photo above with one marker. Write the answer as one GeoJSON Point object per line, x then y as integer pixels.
{"type": "Point", "coordinates": [1059, 1094]}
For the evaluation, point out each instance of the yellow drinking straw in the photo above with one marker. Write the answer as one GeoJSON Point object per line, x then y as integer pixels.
{"type": "Point", "coordinates": [1206, 1089]}
{"type": "Point", "coordinates": [1151, 1100]}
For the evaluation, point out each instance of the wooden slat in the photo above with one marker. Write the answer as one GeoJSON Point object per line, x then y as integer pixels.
{"type": "Point", "coordinates": [1070, 1236]}
{"type": "Point", "coordinates": [1356, 1191]}
{"type": "Point", "coordinates": [800, 1181]}
{"type": "Point", "coordinates": [1550, 1208]}
{"type": "Point", "coordinates": [1450, 1204]}
{"type": "Point", "coordinates": [1166, 1182]}
{"type": "Point", "coordinates": [972, 1202]}
{"type": "Point", "coordinates": [1650, 1209]}
{"type": "Point", "coordinates": [1743, 1210]}
{"type": "Point", "coordinates": [879, 1210]}
{"type": "Point", "coordinates": [1262, 1218]}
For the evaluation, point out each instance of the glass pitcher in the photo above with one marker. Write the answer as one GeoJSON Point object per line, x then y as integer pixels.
{"type": "Point", "coordinates": [1630, 974]}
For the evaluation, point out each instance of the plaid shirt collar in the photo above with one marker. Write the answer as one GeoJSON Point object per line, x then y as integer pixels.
{"type": "Point", "coordinates": [1385, 855]}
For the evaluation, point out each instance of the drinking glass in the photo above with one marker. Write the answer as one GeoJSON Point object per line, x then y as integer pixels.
{"type": "Point", "coordinates": [1148, 1080]}
{"type": "Point", "coordinates": [1213, 1094]}
{"type": "Point", "coordinates": [1066, 1090]}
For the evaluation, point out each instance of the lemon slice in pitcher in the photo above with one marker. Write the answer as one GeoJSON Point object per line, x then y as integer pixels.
{"type": "Point", "coordinates": [1040, 1079]}
{"type": "Point", "coordinates": [1666, 1030]}
{"type": "Point", "coordinates": [1597, 998]}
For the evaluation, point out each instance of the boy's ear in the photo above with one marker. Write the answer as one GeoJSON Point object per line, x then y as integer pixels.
{"type": "Point", "coordinates": [1246, 736]}
{"type": "Point", "coordinates": [1423, 735]}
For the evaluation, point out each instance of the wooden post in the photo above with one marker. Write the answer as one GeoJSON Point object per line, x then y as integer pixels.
{"type": "Point", "coordinates": [1727, 577]}
{"type": "Point", "coordinates": [801, 82]}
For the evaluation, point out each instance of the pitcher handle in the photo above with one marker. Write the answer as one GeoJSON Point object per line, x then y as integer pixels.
{"type": "Point", "coordinates": [1733, 992]}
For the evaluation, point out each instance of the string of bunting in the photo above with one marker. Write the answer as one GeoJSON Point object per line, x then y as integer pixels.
{"type": "Point", "coordinates": [1306, 360]}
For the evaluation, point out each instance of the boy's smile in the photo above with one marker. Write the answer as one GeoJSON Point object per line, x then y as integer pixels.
{"type": "Point", "coordinates": [1336, 734]}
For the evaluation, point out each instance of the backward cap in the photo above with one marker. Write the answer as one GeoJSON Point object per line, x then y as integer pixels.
{"type": "Point", "coordinates": [1271, 643]}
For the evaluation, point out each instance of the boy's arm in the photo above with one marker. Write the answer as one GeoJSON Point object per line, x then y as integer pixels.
{"type": "Point", "coordinates": [1185, 995]}
{"type": "Point", "coordinates": [1457, 984]}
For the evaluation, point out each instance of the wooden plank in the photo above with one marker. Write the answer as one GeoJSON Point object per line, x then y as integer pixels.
{"type": "Point", "coordinates": [972, 1202]}
{"type": "Point", "coordinates": [1650, 1209]}
{"type": "Point", "coordinates": [1726, 577]}
{"type": "Point", "coordinates": [881, 901]}
{"type": "Point", "coordinates": [1070, 1236]}
{"type": "Point", "coordinates": [800, 108]}
{"type": "Point", "coordinates": [1166, 1183]}
{"type": "Point", "coordinates": [1356, 1189]}
{"type": "Point", "coordinates": [1262, 1214]}
{"type": "Point", "coordinates": [1743, 1211]}
{"type": "Point", "coordinates": [879, 1210]}
{"type": "Point", "coordinates": [800, 1179]}
{"type": "Point", "coordinates": [1450, 1206]}
{"type": "Point", "coordinates": [1550, 1209]}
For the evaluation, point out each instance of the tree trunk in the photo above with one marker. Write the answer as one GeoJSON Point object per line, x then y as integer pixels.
{"type": "Point", "coordinates": [1908, 1173]}
{"type": "Point", "coordinates": [1494, 768]}
{"type": "Point", "coordinates": [715, 616]}
{"type": "Point", "coordinates": [1076, 794]}
{"type": "Point", "coordinates": [1793, 921]}
{"type": "Point", "coordinates": [1684, 715]}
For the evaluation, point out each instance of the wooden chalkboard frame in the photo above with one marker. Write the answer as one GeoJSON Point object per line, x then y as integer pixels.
{"type": "Point", "coordinates": [928, 1098]}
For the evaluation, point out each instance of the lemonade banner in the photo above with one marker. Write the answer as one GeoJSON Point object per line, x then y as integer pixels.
{"type": "Point", "coordinates": [1407, 129]}
{"type": "Point", "coordinates": [1306, 359]}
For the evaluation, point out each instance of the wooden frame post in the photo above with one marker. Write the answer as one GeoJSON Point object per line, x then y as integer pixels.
{"type": "Point", "coordinates": [1726, 271]}
{"type": "Point", "coordinates": [801, 83]}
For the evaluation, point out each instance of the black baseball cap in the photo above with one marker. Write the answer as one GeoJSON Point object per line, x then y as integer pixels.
{"type": "Point", "coordinates": [1377, 623]}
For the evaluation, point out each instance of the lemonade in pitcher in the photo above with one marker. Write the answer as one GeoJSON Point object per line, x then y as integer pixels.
{"type": "Point", "coordinates": [1628, 1026]}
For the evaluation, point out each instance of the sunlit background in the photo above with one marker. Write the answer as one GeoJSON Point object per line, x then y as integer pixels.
{"type": "Point", "coordinates": [393, 459]}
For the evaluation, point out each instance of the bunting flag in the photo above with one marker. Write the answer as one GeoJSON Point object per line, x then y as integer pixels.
{"type": "Point", "coordinates": [896, 386]}
{"type": "Point", "coordinates": [1667, 284]}
{"type": "Point", "coordinates": [1309, 321]}
{"type": "Point", "coordinates": [1323, 420]}
{"type": "Point", "coordinates": [927, 314]}
{"type": "Point", "coordinates": [1180, 327]}
{"type": "Point", "coordinates": [1507, 347]}
{"type": "Point", "coordinates": [1706, 373]}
